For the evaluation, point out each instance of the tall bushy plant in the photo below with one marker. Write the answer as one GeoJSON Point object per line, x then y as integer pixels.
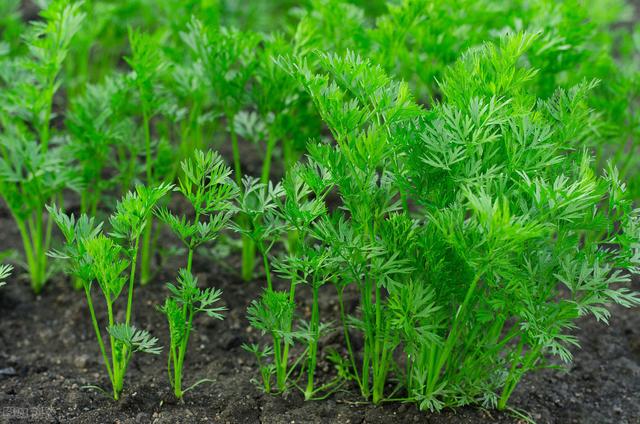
{"type": "Point", "coordinates": [476, 232]}
{"type": "Point", "coordinates": [418, 40]}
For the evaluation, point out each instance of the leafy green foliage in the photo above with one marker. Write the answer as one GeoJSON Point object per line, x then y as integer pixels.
{"type": "Point", "coordinates": [464, 176]}
{"type": "Point", "coordinates": [32, 174]}
{"type": "Point", "coordinates": [5, 272]}
{"type": "Point", "coordinates": [100, 130]}
{"type": "Point", "coordinates": [186, 301]}
{"type": "Point", "coordinates": [491, 234]}
{"type": "Point", "coordinates": [207, 186]}
{"type": "Point", "coordinates": [110, 260]}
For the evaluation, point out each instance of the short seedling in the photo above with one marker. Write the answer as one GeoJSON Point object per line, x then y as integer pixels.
{"type": "Point", "coordinates": [185, 302]}
{"type": "Point", "coordinates": [5, 272]}
{"type": "Point", "coordinates": [207, 185]}
{"type": "Point", "coordinates": [92, 256]}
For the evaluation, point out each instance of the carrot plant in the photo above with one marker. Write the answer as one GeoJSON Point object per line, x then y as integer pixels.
{"type": "Point", "coordinates": [273, 313]}
{"type": "Point", "coordinates": [229, 53]}
{"type": "Point", "coordinates": [185, 302]}
{"type": "Point", "coordinates": [273, 211]}
{"type": "Point", "coordinates": [5, 272]}
{"type": "Point", "coordinates": [110, 261]}
{"type": "Point", "coordinates": [98, 127]}
{"type": "Point", "coordinates": [417, 41]}
{"type": "Point", "coordinates": [463, 227]}
{"type": "Point", "coordinates": [33, 168]}
{"type": "Point", "coordinates": [11, 25]}
{"type": "Point", "coordinates": [207, 185]}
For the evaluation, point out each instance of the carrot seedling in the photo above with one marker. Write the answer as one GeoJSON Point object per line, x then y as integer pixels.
{"type": "Point", "coordinates": [110, 261]}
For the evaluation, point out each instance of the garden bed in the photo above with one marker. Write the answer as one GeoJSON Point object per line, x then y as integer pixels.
{"type": "Point", "coordinates": [486, 230]}
{"type": "Point", "coordinates": [48, 353]}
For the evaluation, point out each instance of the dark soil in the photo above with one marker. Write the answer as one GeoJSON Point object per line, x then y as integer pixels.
{"type": "Point", "coordinates": [48, 353]}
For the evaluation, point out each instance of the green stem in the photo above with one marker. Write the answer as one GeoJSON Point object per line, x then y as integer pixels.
{"type": "Point", "coordinates": [267, 270]}
{"type": "Point", "coordinates": [170, 357]}
{"type": "Point", "coordinates": [146, 254]}
{"type": "Point", "coordinates": [248, 257]}
{"type": "Point", "coordinates": [347, 338]}
{"type": "Point", "coordinates": [313, 345]}
{"type": "Point", "coordinates": [378, 366]}
{"type": "Point", "coordinates": [116, 382]}
{"type": "Point", "coordinates": [147, 144]}
{"type": "Point", "coordinates": [516, 373]}
{"type": "Point", "coordinates": [96, 329]}
{"type": "Point", "coordinates": [285, 350]}
{"type": "Point", "coordinates": [189, 259]}
{"type": "Point", "coordinates": [434, 373]}
{"type": "Point", "coordinates": [281, 369]}
{"type": "Point", "coordinates": [266, 165]}
{"type": "Point", "coordinates": [28, 248]}
{"type": "Point", "coordinates": [368, 339]}
{"type": "Point", "coordinates": [44, 129]}
{"type": "Point", "coordinates": [132, 277]}
{"type": "Point", "coordinates": [237, 167]}
{"type": "Point", "coordinates": [248, 246]}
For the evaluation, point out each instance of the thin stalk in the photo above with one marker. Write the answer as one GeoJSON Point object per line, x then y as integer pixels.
{"type": "Point", "coordinates": [237, 167]}
{"type": "Point", "coordinates": [285, 350]}
{"type": "Point", "coordinates": [267, 269]}
{"type": "Point", "coordinates": [266, 165]}
{"type": "Point", "coordinates": [434, 373]}
{"type": "Point", "coordinates": [145, 257]}
{"type": "Point", "coordinates": [96, 329]}
{"type": "Point", "coordinates": [131, 280]}
{"type": "Point", "coordinates": [248, 255]}
{"type": "Point", "coordinates": [280, 375]}
{"type": "Point", "coordinates": [182, 351]}
{"type": "Point", "coordinates": [147, 145]}
{"type": "Point", "coordinates": [189, 259]}
{"type": "Point", "coordinates": [369, 336]}
{"type": "Point", "coordinates": [514, 377]}
{"type": "Point", "coordinates": [313, 345]}
{"type": "Point", "coordinates": [347, 338]}
{"type": "Point", "coordinates": [44, 128]}
{"type": "Point", "coordinates": [170, 357]}
{"type": "Point", "coordinates": [28, 247]}
{"type": "Point", "coordinates": [378, 364]}
{"type": "Point", "coordinates": [116, 382]}
{"type": "Point", "coordinates": [248, 246]}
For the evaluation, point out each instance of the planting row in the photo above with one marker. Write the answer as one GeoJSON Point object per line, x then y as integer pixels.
{"type": "Point", "coordinates": [476, 224]}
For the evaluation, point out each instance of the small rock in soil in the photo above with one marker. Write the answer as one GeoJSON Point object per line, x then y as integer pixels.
{"type": "Point", "coordinates": [8, 372]}
{"type": "Point", "coordinates": [81, 361]}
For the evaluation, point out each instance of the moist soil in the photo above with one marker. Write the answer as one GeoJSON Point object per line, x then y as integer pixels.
{"type": "Point", "coordinates": [48, 354]}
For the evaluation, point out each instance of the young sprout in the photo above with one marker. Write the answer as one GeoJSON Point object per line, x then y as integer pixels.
{"type": "Point", "coordinates": [185, 302]}
{"type": "Point", "coordinates": [207, 185]}
{"type": "Point", "coordinates": [93, 257]}
{"type": "Point", "coordinates": [273, 314]}
{"type": "Point", "coordinates": [257, 203]}
{"type": "Point", "coordinates": [5, 272]}
{"type": "Point", "coordinates": [266, 369]}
